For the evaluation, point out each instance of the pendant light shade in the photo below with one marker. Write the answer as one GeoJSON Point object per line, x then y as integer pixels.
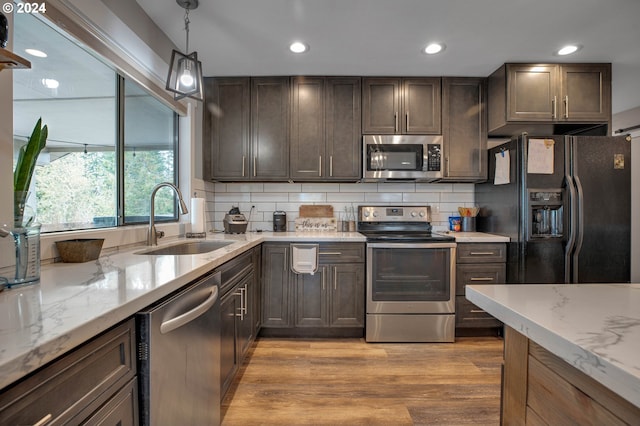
{"type": "Point", "coordinates": [185, 70]}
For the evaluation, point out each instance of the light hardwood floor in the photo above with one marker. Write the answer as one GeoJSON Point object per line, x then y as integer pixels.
{"type": "Point", "coordinates": [350, 382]}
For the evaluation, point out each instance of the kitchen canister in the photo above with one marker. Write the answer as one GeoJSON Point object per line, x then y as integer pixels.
{"type": "Point", "coordinates": [468, 224]}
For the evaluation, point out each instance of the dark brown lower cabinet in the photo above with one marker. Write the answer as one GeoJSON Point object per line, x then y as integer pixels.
{"type": "Point", "coordinates": [328, 303]}
{"type": "Point", "coordinates": [238, 326]}
{"type": "Point", "coordinates": [93, 384]}
{"type": "Point", "coordinates": [477, 263]}
{"type": "Point", "coordinates": [539, 388]}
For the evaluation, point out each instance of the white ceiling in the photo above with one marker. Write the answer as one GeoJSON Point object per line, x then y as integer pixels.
{"type": "Point", "coordinates": [385, 37]}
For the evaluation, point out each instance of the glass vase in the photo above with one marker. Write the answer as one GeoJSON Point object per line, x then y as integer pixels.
{"type": "Point", "coordinates": [27, 248]}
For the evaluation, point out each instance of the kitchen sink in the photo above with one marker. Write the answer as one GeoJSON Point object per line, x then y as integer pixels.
{"type": "Point", "coordinates": [191, 247]}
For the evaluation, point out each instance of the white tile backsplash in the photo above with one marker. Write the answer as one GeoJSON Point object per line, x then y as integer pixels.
{"type": "Point", "coordinates": [265, 198]}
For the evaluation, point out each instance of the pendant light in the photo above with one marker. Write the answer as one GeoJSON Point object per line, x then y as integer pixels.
{"type": "Point", "coordinates": [185, 70]}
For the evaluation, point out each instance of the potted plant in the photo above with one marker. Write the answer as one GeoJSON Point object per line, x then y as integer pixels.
{"type": "Point", "coordinates": [26, 234]}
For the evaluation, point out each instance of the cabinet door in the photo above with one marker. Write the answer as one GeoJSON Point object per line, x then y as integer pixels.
{"type": "Point", "coordinates": [275, 285]}
{"type": "Point", "coordinates": [269, 128]}
{"type": "Point", "coordinates": [585, 92]}
{"type": "Point", "coordinates": [229, 308]}
{"type": "Point", "coordinates": [343, 129]}
{"type": "Point", "coordinates": [347, 295]}
{"type": "Point", "coordinates": [464, 119]}
{"type": "Point", "coordinates": [226, 129]}
{"type": "Point", "coordinates": [311, 299]}
{"type": "Point", "coordinates": [380, 105]}
{"type": "Point", "coordinates": [307, 128]}
{"type": "Point", "coordinates": [532, 93]}
{"type": "Point", "coordinates": [256, 257]}
{"type": "Point", "coordinates": [421, 113]}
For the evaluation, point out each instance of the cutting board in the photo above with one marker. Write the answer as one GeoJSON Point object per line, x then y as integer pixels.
{"type": "Point", "coordinates": [319, 210]}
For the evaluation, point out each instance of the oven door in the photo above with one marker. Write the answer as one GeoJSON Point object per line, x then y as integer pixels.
{"type": "Point", "coordinates": [410, 278]}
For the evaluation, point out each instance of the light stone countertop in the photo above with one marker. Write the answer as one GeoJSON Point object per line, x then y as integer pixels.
{"type": "Point", "coordinates": [593, 327]}
{"type": "Point", "coordinates": [74, 302]}
{"type": "Point", "coordinates": [477, 237]}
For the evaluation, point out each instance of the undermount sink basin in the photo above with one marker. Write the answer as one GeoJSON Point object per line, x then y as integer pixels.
{"type": "Point", "coordinates": [191, 247]}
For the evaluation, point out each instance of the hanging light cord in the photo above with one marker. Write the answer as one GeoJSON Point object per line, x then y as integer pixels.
{"type": "Point", "coordinates": [186, 27]}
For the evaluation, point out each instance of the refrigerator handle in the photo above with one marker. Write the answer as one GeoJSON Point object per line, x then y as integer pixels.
{"type": "Point", "coordinates": [580, 228]}
{"type": "Point", "coordinates": [571, 239]}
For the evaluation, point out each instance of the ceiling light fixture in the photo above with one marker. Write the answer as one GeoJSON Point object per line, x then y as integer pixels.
{"type": "Point", "coordinates": [185, 70]}
{"type": "Point", "coordinates": [433, 48]}
{"type": "Point", "coordinates": [36, 52]}
{"type": "Point", "coordinates": [50, 83]}
{"type": "Point", "coordinates": [568, 49]}
{"type": "Point", "coordinates": [298, 47]}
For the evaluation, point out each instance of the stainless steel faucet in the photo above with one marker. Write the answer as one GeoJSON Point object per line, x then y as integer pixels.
{"type": "Point", "coordinates": [152, 234]}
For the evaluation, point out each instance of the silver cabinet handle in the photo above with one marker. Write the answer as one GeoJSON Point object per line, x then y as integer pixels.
{"type": "Point", "coordinates": [180, 320]}
{"type": "Point", "coordinates": [241, 294]}
{"type": "Point", "coordinates": [395, 118]}
{"type": "Point", "coordinates": [481, 279]}
{"type": "Point", "coordinates": [320, 165]}
{"type": "Point", "coordinates": [477, 311]}
{"type": "Point", "coordinates": [335, 278]}
{"type": "Point", "coordinates": [254, 166]}
{"type": "Point", "coordinates": [331, 166]}
{"type": "Point", "coordinates": [330, 253]}
{"type": "Point", "coordinates": [243, 158]}
{"type": "Point", "coordinates": [43, 421]}
{"type": "Point", "coordinates": [407, 120]}
{"type": "Point", "coordinates": [554, 114]}
{"type": "Point", "coordinates": [246, 298]}
{"type": "Point", "coordinates": [566, 106]}
{"type": "Point", "coordinates": [481, 253]}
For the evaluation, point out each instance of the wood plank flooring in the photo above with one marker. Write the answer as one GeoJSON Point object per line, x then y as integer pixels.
{"type": "Point", "coordinates": [351, 382]}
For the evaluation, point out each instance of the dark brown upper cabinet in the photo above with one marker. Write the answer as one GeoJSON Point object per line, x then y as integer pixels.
{"type": "Point", "coordinates": [464, 129]}
{"type": "Point", "coordinates": [325, 133]}
{"type": "Point", "coordinates": [401, 105]}
{"type": "Point", "coordinates": [246, 129]}
{"type": "Point", "coordinates": [548, 98]}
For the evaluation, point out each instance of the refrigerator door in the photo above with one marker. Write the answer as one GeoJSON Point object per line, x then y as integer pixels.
{"type": "Point", "coordinates": [600, 168]}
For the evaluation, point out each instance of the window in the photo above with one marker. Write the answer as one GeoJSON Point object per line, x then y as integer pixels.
{"type": "Point", "coordinates": [110, 141]}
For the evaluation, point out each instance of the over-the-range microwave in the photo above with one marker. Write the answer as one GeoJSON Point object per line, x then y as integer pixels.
{"type": "Point", "coordinates": [402, 158]}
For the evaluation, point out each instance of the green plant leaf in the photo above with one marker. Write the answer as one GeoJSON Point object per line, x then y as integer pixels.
{"type": "Point", "coordinates": [25, 166]}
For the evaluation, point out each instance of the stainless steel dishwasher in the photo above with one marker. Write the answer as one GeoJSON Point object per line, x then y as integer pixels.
{"type": "Point", "coordinates": [179, 357]}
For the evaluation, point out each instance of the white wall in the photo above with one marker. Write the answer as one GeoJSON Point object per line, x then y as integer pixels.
{"type": "Point", "coordinates": [620, 121]}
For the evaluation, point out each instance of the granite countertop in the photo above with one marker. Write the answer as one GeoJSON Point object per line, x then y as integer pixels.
{"type": "Point", "coordinates": [76, 301]}
{"type": "Point", "coordinates": [593, 327]}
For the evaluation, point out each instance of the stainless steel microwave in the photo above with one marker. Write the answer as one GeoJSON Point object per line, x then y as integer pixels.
{"type": "Point", "coordinates": [402, 157]}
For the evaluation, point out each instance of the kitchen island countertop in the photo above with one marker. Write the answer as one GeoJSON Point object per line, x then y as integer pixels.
{"type": "Point", "coordinates": [593, 327]}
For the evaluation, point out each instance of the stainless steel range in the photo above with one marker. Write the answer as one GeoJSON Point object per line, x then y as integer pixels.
{"type": "Point", "coordinates": [410, 276]}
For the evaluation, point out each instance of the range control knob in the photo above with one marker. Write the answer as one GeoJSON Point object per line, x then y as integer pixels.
{"type": "Point", "coordinates": [365, 213]}
{"type": "Point", "coordinates": [422, 214]}
{"type": "Point", "coordinates": [375, 213]}
{"type": "Point", "coordinates": [414, 214]}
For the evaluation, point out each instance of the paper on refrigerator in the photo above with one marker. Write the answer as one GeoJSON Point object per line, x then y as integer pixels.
{"type": "Point", "coordinates": [503, 165]}
{"type": "Point", "coordinates": [540, 156]}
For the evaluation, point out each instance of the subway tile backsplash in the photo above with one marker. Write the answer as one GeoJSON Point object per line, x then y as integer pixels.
{"type": "Point", "coordinates": [258, 201]}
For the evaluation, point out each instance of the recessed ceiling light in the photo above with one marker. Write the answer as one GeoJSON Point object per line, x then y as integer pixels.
{"type": "Point", "coordinates": [568, 49]}
{"type": "Point", "coordinates": [434, 48]}
{"type": "Point", "coordinates": [298, 47]}
{"type": "Point", "coordinates": [50, 83]}
{"type": "Point", "coordinates": [36, 52]}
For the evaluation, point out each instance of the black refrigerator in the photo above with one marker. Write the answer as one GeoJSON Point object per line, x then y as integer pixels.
{"type": "Point", "coordinates": [566, 208]}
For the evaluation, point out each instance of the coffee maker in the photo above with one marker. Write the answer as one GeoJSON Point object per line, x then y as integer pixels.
{"type": "Point", "coordinates": [279, 221]}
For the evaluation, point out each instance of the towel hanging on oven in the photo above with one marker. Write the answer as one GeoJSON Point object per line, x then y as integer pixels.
{"type": "Point", "coordinates": [304, 258]}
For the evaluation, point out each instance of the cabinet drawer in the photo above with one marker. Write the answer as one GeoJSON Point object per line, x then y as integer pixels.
{"type": "Point", "coordinates": [481, 253]}
{"type": "Point", "coordinates": [469, 273]}
{"type": "Point", "coordinates": [469, 315]}
{"type": "Point", "coordinates": [341, 252]}
{"type": "Point", "coordinates": [232, 271]}
{"type": "Point", "coordinates": [67, 390]}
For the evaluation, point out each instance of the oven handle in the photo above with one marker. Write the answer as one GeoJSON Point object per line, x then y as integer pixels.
{"type": "Point", "coordinates": [417, 245]}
